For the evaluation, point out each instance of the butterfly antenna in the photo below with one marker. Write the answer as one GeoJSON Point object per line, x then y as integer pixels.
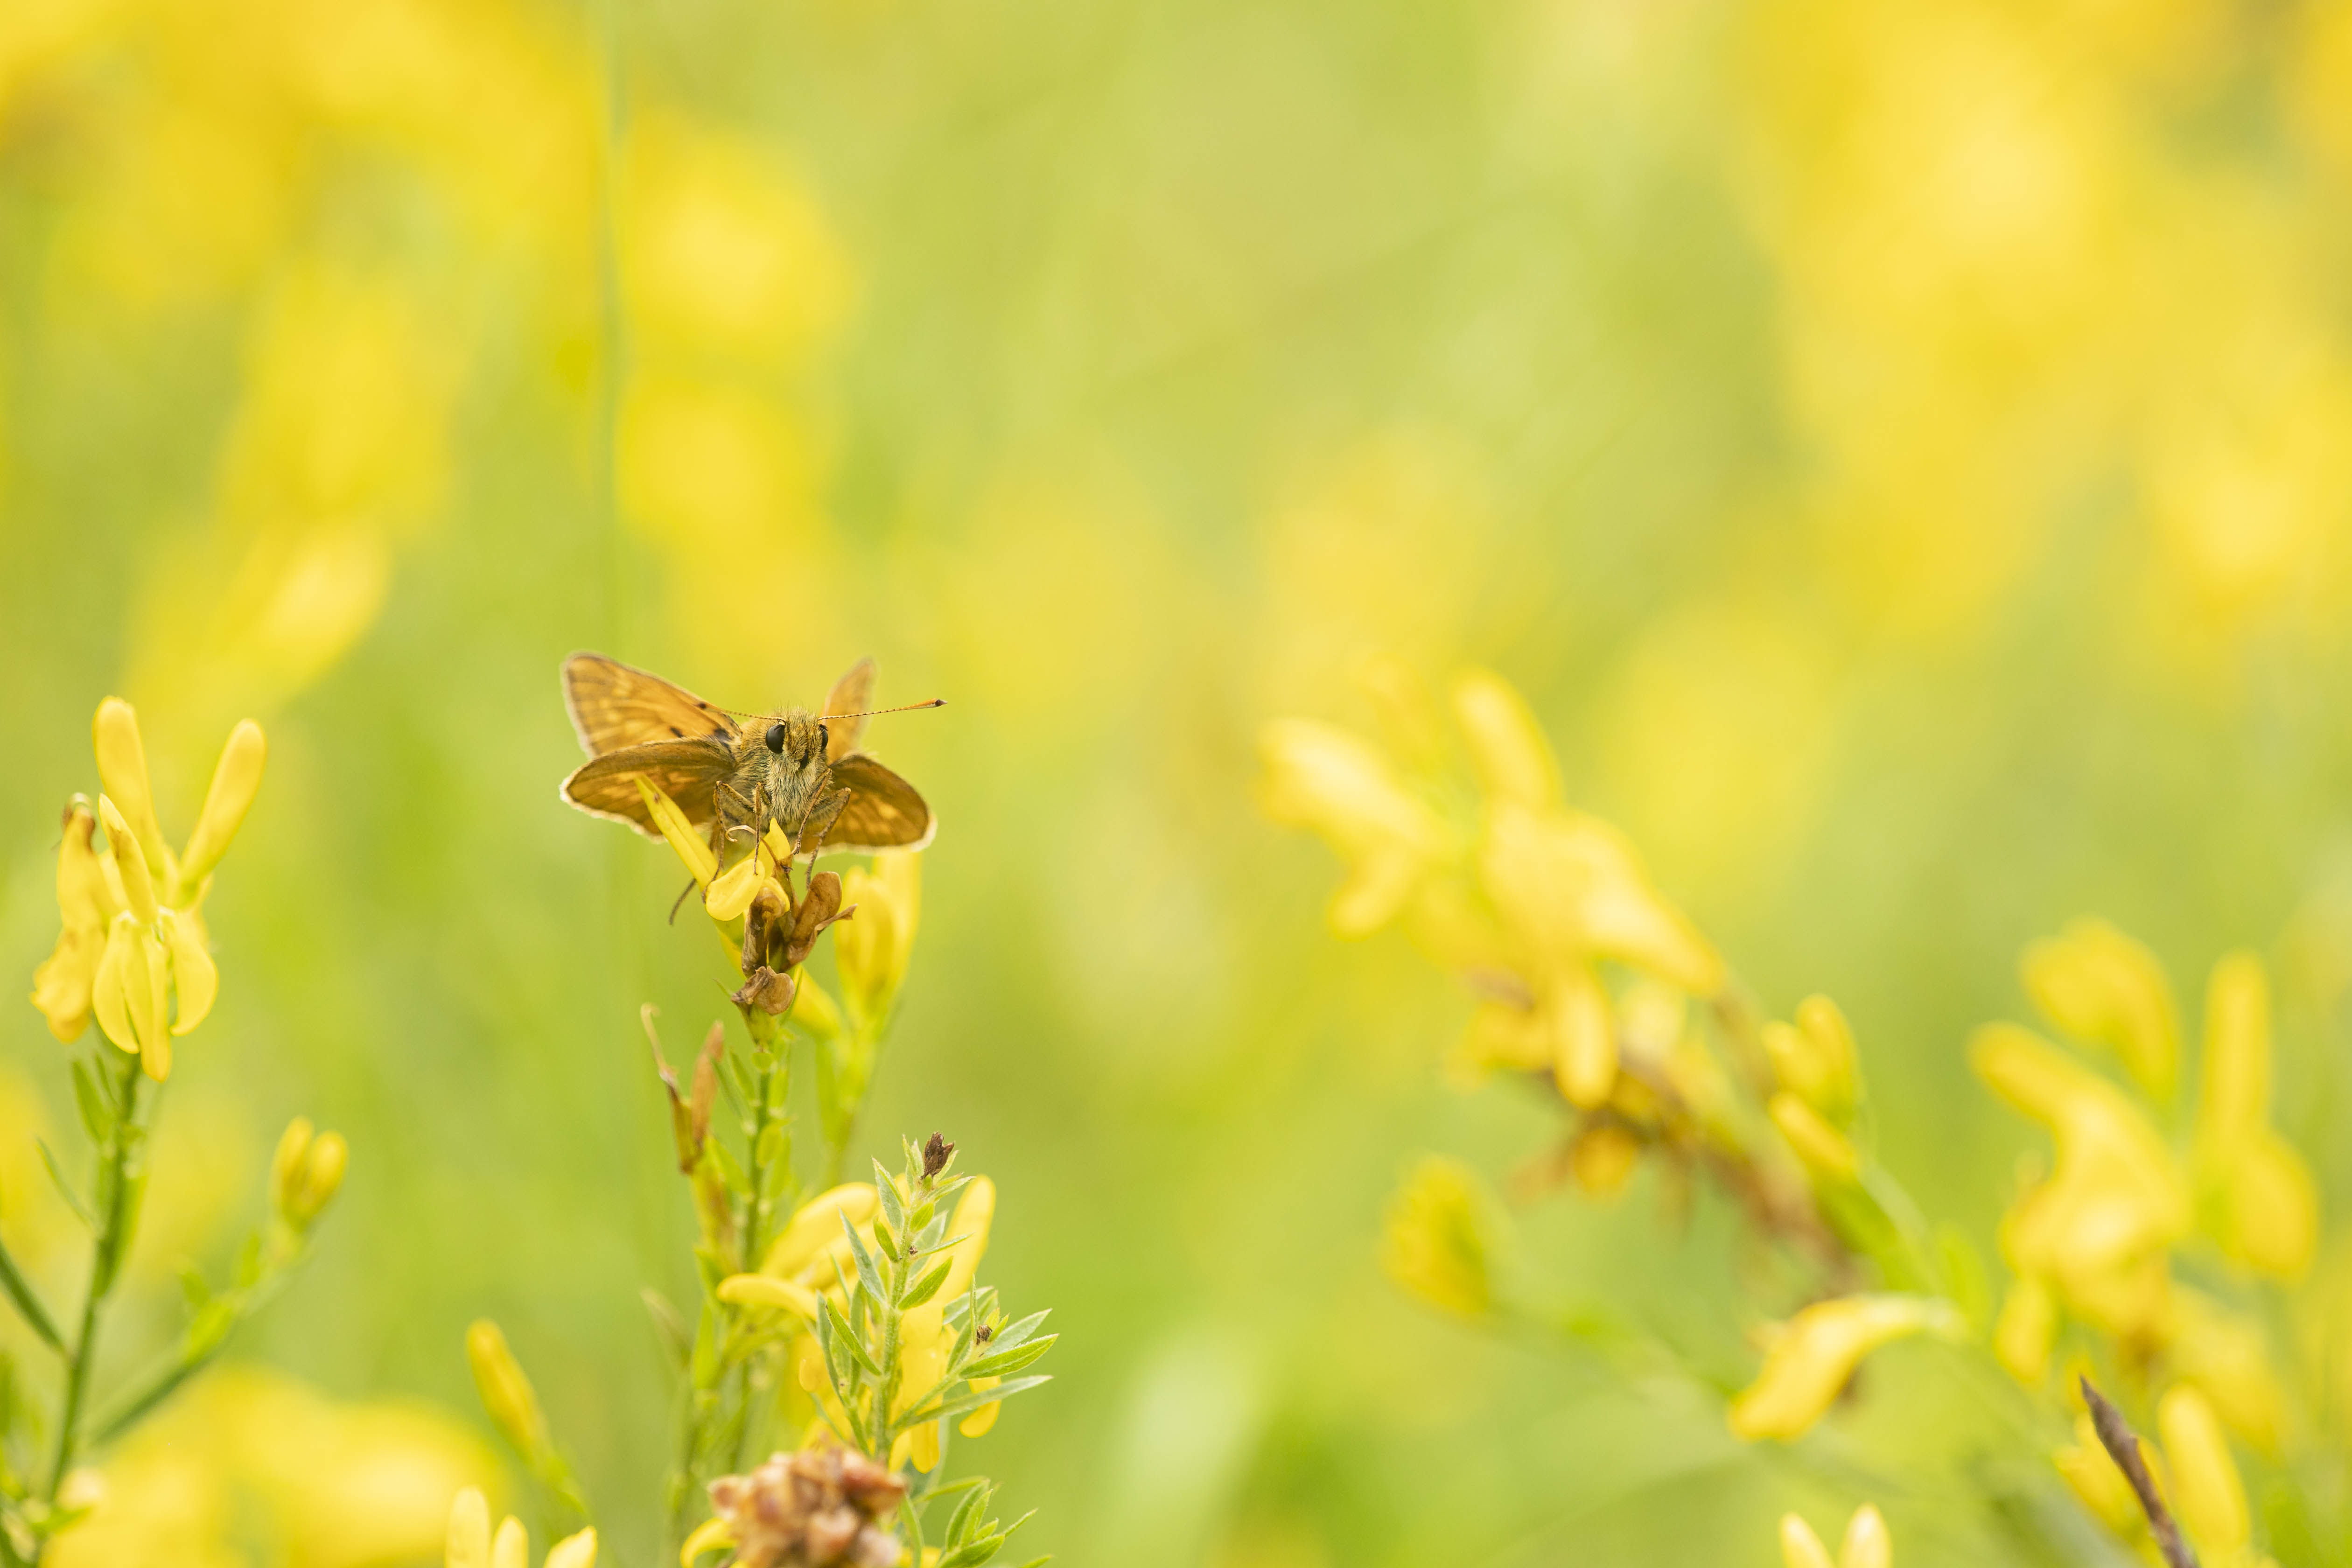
{"type": "Point", "coordinates": [870, 712]}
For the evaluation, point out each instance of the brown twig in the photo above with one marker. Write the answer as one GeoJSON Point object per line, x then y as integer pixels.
{"type": "Point", "coordinates": [2123, 1446]}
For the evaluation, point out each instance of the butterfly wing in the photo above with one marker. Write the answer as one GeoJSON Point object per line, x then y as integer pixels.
{"type": "Point", "coordinates": [852, 693]}
{"type": "Point", "coordinates": [884, 812]}
{"type": "Point", "coordinates": [612, 706]}
{"type": "Point", "coordinates": [687, 771]}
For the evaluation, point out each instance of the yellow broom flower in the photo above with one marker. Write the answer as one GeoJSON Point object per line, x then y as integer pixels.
{"type": "Point", "coordinates": [472, 1545]}
{"type": "Point", "coordinates": [1813, 1355]}
{"type": "Point", "coordinates": [132, 952]}
{"type": "Point", "coordinates": [2257, 1195]}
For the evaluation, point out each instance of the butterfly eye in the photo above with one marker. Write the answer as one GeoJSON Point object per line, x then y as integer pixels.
{"type": "Point", "coordinates": [823, 741]}
{"type": "Point", "coordinates": [776, 737]}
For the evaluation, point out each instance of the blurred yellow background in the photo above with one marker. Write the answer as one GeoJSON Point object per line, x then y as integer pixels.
{"type": "Point", "coordinates": [1905, 453]}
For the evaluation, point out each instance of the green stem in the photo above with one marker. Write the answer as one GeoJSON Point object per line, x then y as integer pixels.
{"type": "Point", "coordinates": [20, 1292]}
{"type": "Point", "coordinates": [105, 1266]}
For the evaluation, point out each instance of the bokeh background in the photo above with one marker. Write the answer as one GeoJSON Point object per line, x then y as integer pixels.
{"type": "Point", "coordinates": [1905, 452]}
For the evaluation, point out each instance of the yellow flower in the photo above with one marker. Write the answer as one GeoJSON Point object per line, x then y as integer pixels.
{"type": "Point", "coordinates": [926, 1337]}
{"type": "Point", "coordinates": [471, 1544]}
{"type": "Point", "coordinates": [506, 1392]}
{"type": "Point", "coordinates": [1827, 1156]}
{"type": "Point", "coordinates": [1814, 1057]}
{"type": "Point", "coordinates": [2225, 1356]}
{"type": "Point", "coordinates": [872, 951]}
{"type": "Point", "coordinates": [132, 949]}
{"type": "Point", "coordinates": [1513, 759]}
{"type": "Point", "coordinates": [1813, 1355]}
{"type": "Point", "coordinates": [812, 1239]}
{"type": "Point", "coordinates": [2207, 1491]}
{"type": "Point", "coordinates": [306, 1172]}
{"type": "Point", "coordinates": [2027, 1331]}
{"type": "Point", "coordinates": [1866, 1544]}
{"type": "Point", "coordinates": [2098, 1228]}
{"type": "Point", "coordinates": [1440, 1238]}
{"type": "Point", "coordinates": [2099, 984]}
{"type": "Point", "coordinates": [2257, 1195]}
{"type": "Point", "coordinates": [1571, 888]}
{"type": "Point", "coordinates": [1321, 777]}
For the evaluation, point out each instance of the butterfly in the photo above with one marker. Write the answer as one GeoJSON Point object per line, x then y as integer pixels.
{"type": "Point", "coordinates": [799, 773]}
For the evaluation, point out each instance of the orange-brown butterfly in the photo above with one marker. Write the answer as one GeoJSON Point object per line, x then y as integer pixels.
{"type": "Point", "coordinates": [799, 772]}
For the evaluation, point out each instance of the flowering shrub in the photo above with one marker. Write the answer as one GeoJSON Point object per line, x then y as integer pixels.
{"type": "Point", "coordinates": [2150, 1257]}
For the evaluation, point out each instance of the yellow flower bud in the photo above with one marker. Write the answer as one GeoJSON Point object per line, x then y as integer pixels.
{"type": "Point", "coordinates": [710, 1535]}
{"type": "Point", "coordinates": [1602, 1158]}
{"type": "Point", "coordinates": [1814, 1354]}
{"type": "Point", "coordinates": [511, 1546]}
{"type": "Point", "coordinates": [507, 1394]}
{"type": "Point", "coordinates": [1867, 1543]}
{"type": "Point", "coordinates": [690, 847]}
{"type": "Point", "coordinates": [2099, 984]}
{"type": "Point", "coordinates": [237, 778]}
{"type": "Point", "coordinates": [2207, 1491]}
{"type": "Point", "coordinates": [128, 994]}
{"type": "Point", "coordinates": [122, 775]}
{"type": "Point", "coordinates": [315, 1179]}
{"type": "Point", "coordinates": [873, 950]}
{"type": "Point", "coordinates": [1800, 1547]}
{"type": "Point", "coordinates": [469, 1531]}
{"type": "Point", "coordinates": [2027, 1332]}
{"type": "Point", "coordinates": [62, 986]}
{"type": "Point", "coordinates": [575, 1551]}
{"type": "Point", "coordinates": [1828, 1158]}
{"type": "Point", "coordinates": [1574, 1011]}
{"type": "Point", "coordinates": [1438, 1239]}
{"type": "Point", "coordinates": [1814, 1057]}
{"type": "Point", "coordinates": [1507, 747]}
{"type": "Point", "coordinates": [2260, 1200]}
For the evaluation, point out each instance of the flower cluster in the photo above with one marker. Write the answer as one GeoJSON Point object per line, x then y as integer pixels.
{"type": "Point", "coordinates": [1588, 985]}
{"type": "Point", "coordinates": [133, 949]}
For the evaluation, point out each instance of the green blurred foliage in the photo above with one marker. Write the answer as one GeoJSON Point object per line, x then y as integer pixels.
{"type": "Point", "coordinates": [1901, 452]}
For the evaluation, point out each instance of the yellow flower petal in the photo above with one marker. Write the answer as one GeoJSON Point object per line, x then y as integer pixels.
{"type": "Point", "coordinates": [816, 1227]}
{"type": "Point", "coordinates": [1866, 1544]}
{"type": "Point", "coordinates": [979, 1421]}
{"type": "Point", "coordinates": [1574, 1010]}
{"type": "Point", "coordinates": [511, 1548]}
{"type": "Point", "coordinates": [2206, 1489]}
{"type": "Point", "coordinates": [2028, 1329]}
{"type": "Point", "coordinates": [1571, 888]}
{"type": "Point", "coordinates": [710, 1535]}
{"type": "Point", "coordinates": [62, 986]}
{"type": "Point", "coordinates": [1439, 1238]}
{"type": "Point", "coordinates": [1814, 1057]}
{"type": "Point", "coordinates": [574, 1552]}
{"type": "Point", "coordinates": [1507, 748]}
{"type": "Point", "coordinates": [129, 862]}
{"type": "Point", "coordinates": [237, 778]}
{"type": "Point", "coordinates": [975, 1212]}
{"type": "Point", "coordinates": [1800, 1547]}
{"type": "Point", "coordinates": [732, 891]}
{"type": "Point", "coordinates": [194, 975]}
{"type": "Point", "coordinates": [122, 773]}
{"type": "Point", "coordinates": [108, 999]}
{"type": "Point", "coordinates": [2099, 984]}
{"type": "Point", "coordinates": [1321, 777]}
{"type": "Point", "coordinates": [762, 1290]}
{"type": "Point", "coordinates": [469, 1531]}
{"type": "Point", "coordinates": [1828, 1157]}
{"type": "Point", "coordinates": [873, 950]}
{"type": "Point", "coordinates": [1817, 1351]}
{"type": "Point", "coordinates": [691, 847]}
{"type": "Point", "coordinates": [506, 1391]}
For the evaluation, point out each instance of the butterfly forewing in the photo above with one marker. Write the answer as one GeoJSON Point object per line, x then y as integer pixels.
{"type": "Point", "coordinates": [884, 811]}
{"type": "Point", "coordinates": [852, 693]}
{"type": "Point", "coordinates": [613, 706]}
{"type": "Point", "coordinates": [689, 772]}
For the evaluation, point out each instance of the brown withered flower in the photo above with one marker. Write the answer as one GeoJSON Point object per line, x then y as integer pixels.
{"type": "Point", "coordinates": [779, 935]}
{"type": "Point", "coordinates": [812, 1508]}
{"type": "Point", "coordinates": [937, 1153]}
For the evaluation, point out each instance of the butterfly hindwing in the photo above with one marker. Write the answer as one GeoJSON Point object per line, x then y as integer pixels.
{"type": "Point", "coordinates": [612, 706]}
{"type": "Point", "coordinates": [884, 811]}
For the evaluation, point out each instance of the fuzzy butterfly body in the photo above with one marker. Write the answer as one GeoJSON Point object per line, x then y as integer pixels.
{"type": "Point", "coordinates": [799, 772]}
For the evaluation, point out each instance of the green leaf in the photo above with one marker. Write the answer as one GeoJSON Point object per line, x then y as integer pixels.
{"type": "Point", "coordinates": [967, 1516]}
{"type": "Point", "coordinates": [868, 1276]}
{"type": "Point", "coordinates": [848, 1336]}
{"type": "Point", "coordinates": [96, 1116]}
{"type": "Point", "coordinates": [1012, 1360]}
{"type": "Point", "coordinates": [1012, 1334]}
{"type": "Point", "coordinates": [28, 1306]}
{"type": "Point", "coordinates": [65, 1188]}
{"type": "Point", "coordinates": [926, 1288]}
{"type": "Point", "coordinates": [975, 1552]}
{"type": "Point", "coordinates": [894, 1208]}
{"type": "Point", "coordinates": [731, 1169]}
